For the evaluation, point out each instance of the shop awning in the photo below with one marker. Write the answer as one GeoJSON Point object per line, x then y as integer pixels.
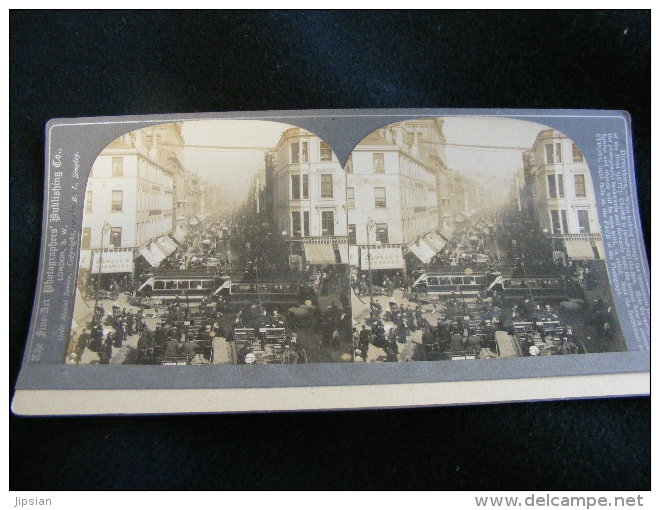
{"type": "Point", "coordinates": [579, 250]}
{"type": "Point", "coordinates": [152, 254]}
{"type": "Point", "coordinates": [113, 262]}
{"type": "Point", "coordinates": [435, 241]}
{"type": "Point", "coordinates": [382, 258]}
{"type": "Point", "coordinates": [422, 251]}
{"type": "Point", "coordinates": [343, 253]}
{"type": "Point", "coordinates": [600, 248]}
{"type": "Point", "coordinates": [179, 235]}
{"type": "Point", "coordinates": [167, 245]}
{"type": "Point", "coordinates": [446, 231]}
{"type": "Point", "coordinates": [319, 254]}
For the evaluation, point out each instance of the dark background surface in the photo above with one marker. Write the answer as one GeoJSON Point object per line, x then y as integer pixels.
{"type": "Point", "coordinates": [70, 64]}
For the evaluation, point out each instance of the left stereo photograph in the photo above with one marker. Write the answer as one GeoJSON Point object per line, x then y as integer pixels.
{"type": "Point", "coordinates": [189, 254]}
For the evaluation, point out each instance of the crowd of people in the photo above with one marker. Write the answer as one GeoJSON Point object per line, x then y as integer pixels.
{"type": "Point", "coordinates": [526, 251]}
{"type": "Point", "coordinates": [105, 332]}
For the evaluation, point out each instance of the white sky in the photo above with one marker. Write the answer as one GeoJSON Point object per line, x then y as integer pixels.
{"type": "Point", "coordinates": [232, 169]}
{"type": "Point", "coordinates": [494, 168]}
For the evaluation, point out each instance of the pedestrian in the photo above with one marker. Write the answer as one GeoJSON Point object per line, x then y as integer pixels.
{"type": "Point", "coordinates": [335, 339]}
{"type": "Point", "coordinates": [83, 341]}
{"type": "Point", "coordinates": [105, 352]}
{"type": "Point", "coordinates": [171, 348]}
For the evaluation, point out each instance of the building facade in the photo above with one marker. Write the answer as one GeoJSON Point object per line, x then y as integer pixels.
{"type": "Point", "coordinates": [386, 200]}
{"type": "Point", "coordinates": [309, 197]}
{"type": "Point", "coordinates": [393, 178]}
{"type": "Point", "coordinates": [131, 201]}
{"type": "Point", "coordinates": [559, 193]}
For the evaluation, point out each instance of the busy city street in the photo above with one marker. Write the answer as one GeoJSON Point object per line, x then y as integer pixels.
{"type": "Point", "coordinates": [145, 322]}
{"type": "Point", "coordinates": [279, 254]}
{"type": "Point", "coordinates": [405, 319]}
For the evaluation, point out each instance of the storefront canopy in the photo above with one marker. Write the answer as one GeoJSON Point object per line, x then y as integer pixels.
{"type": "Point", "coordinates": [179, 235]}
{"type": "Point", "coordinates": [152, 254]}
{"type": "Point", "coordinates": [435, 241]}
{"type": "Point", "coordinates": [446, 231]}
{"type": "Point", "coordinates": [167, 245]}
{"type": "Point", "coordinates": [381, 258]}
{"type": "Point", "coordinates": [422, 251]}
{"type": "Point", "coordinates": [580, 249]}
{"type": "Point", "coordinates": [319, 254]}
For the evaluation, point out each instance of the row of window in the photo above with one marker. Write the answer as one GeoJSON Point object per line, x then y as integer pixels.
{"type": "Point", "coordinates": [300, 154]}
{"type": "Point", "coordinates": [264, 288]}
{"type": "Point", "coordinates": [300, 190]}
{"type": "Point", "coordinates": [553, 153]}
{"type": "Point", "coordinates": [183, 284]}
{"type": "Point", "coordinates": [117, 164]}
{"type": "Point", "coordinates": [559, 219]}
{"type": "Point", "coordinates": [151, 229]}
{"type": "Point", "coordinates": [455, 280]}
{"type": "Point", "coordinates": [117, 204]}
{"type": "Point", "coordinates": [380, 198]}
{"type": "Point", "coordinates": [115, 238]}
{"type": "Point", "coordinates": [300, 223]}
{"type": "Point", "coordinates": [146, 200]}
{"type": "Point", "coordinates": [146, 170]}
{"type": "Point", "coordinates": [300, 186]}
{"type": "Point", "coordinates": [382, 234]}
{"type": "Point", "coordinates": [556, 186]}
{"type": "Point", "coordinates": [378, 163]}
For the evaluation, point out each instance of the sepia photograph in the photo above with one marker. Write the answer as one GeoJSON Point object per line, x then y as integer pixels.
{"type": "Point", "coordinates": [248, 242]}
{"type": "Point", "coordinates": [214, 242]}
{"type": "Point", "coordinates": [475, 238]}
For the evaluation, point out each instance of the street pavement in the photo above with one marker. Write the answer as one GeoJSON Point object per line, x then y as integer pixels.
{"type": "Point", "coordinates": [409, 350]}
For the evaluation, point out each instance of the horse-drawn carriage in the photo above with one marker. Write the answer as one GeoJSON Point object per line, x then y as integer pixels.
{"type": "Point", "coordinates": [266, 345]}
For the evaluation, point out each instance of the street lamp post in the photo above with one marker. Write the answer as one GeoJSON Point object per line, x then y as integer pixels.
{"type": "Point", "coordinates": [105, 228]}
{"type": "Point", "coordinates": [371, 224]}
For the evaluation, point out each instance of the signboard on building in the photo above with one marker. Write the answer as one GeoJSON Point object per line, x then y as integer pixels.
{"type": "Point", "coordinates": [382, 258]}
{"type": "Point", "coordinates": [113, 262]}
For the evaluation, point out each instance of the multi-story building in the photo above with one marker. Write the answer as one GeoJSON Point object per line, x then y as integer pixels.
{"type": "Point", "coordinates": [393, 178]}
{"type": "Point", "coordinates": [309, 197]}
{"type": "Point", "coordinates": [384, 203]}
{"type": "Point", "coordinates": [130, 204]}
{"type": "Point", "coordinates": [192, 198]}
{"type": "Point", "coordinates": [560, 195]}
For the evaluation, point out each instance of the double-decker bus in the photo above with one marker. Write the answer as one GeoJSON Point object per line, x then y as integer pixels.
{"type": "Point", "coordinates": [549, 288]}
{"type": "Point", "coordinates": [446, 283]}
{"type": "Point", "coordinates": [271, 294]}
{"type": "Point", "coordinates": [192, 285]}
